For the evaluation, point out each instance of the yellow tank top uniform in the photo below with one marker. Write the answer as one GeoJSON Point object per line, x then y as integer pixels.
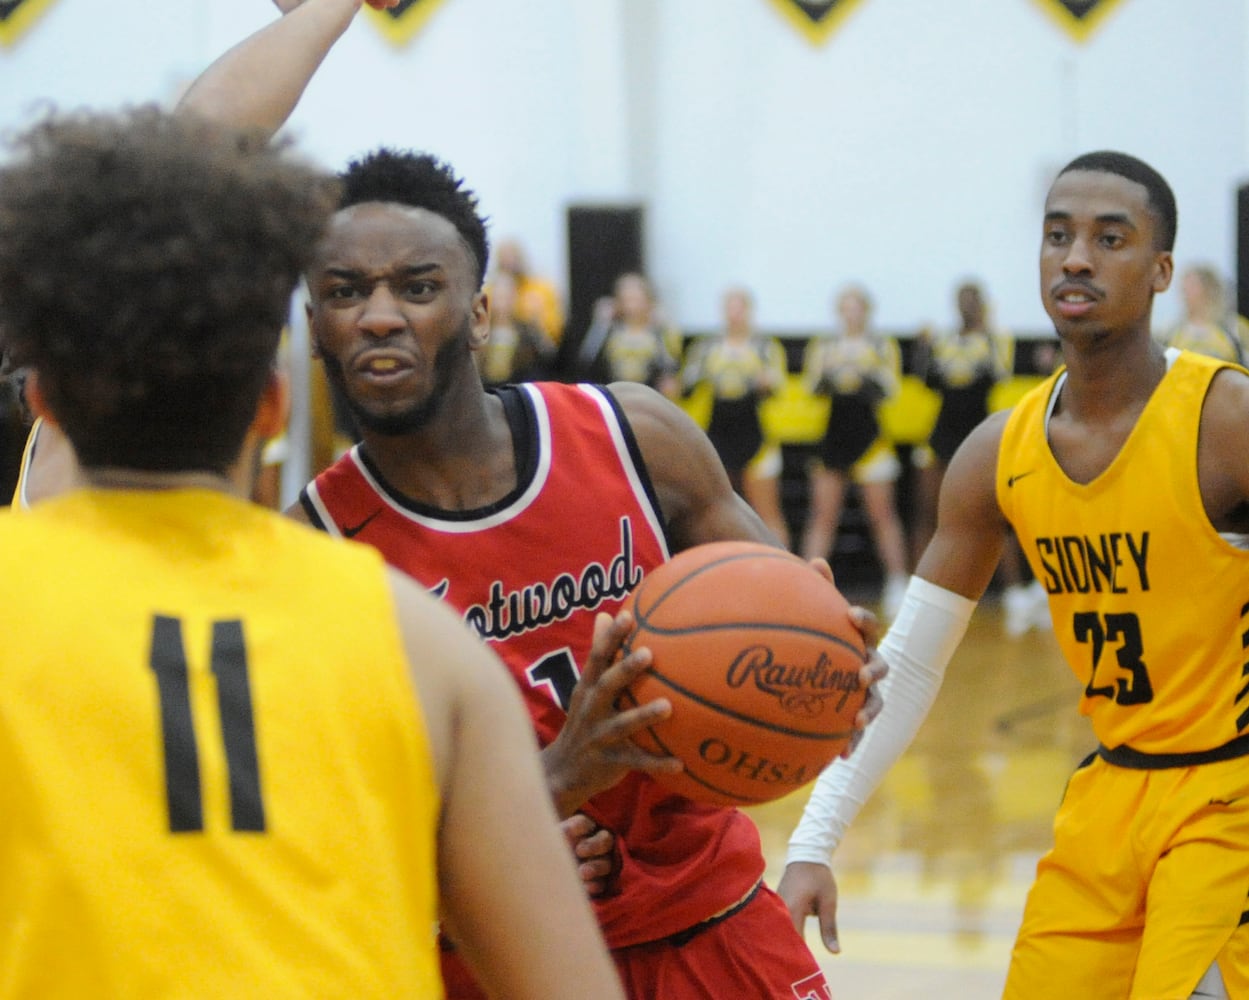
{"type": "Point", "coordinates": [1148, 599]}
{"type": "Point", "coordinates": [1148, 879]}
{"type": "Point", "coordinates": [215, 779]}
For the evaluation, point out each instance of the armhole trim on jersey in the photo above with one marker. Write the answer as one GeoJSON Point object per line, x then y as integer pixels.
{"type": "Point", "coordinates": [632, 461]}
{"type": "Point", "coordinates": [310, 501]}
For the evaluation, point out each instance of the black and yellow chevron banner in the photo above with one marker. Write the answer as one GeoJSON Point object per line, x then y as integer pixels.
{"type": "Point", "coordinates": [18, 15]}
{"type": "Point", "coordinates": [1079, 18]}
{"type": "Point", "coordinates": [817, 19]}
{"type": "Point", "coordinates": [401, 22]}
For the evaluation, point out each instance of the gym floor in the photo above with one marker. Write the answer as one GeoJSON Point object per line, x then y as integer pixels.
{"type": "Point", "coordinates": [934, 871]}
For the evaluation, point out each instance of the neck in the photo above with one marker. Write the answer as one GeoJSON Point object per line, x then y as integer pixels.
{"type": "Point", "coordinates": [462, 461]}
{"type": "Point", "coordinates": [111, 478]}
{"type": "Point", "coordinates": [1104, 376]}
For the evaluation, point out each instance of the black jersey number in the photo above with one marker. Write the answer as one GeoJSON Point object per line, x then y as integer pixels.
{"type": "Point", "coordinates": [558, 673]}
{"type": "Point", "coordinates": [1127, 680]}
{"type": "Point", "coordinates": [238, 730]}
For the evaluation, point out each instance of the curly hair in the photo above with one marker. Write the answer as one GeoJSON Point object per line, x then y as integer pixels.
{"type": "Point", "coordinates": [419, 180]}
{"type": "Point", "coordinates": [1161, 197]}
{"type": "Point", "coordinates": [147, 263]}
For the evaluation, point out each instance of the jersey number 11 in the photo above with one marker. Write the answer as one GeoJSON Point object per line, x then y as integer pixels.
{"type": "Point", "coordinates": [238, 731]}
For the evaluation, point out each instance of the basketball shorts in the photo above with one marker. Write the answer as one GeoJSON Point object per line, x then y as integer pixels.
{"type": "Point", "coordinates": [753, 953]}
{"type": "Point", "coordinates": [1147, 885]}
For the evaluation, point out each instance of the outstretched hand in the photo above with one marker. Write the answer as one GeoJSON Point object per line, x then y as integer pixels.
{"type": "Point", "coordinates": [594, 750]}
{"type": "Point", "coordinates": [809, 890]}
{"type": "Point", "coordinates": [874, 667]}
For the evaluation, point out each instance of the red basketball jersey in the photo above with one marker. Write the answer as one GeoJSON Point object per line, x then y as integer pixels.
{"type": "Point", "coordinates": [529, 573]}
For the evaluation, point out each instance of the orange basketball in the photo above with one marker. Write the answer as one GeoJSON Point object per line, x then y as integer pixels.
{"type": "Point", "coordinates": [758, 655]}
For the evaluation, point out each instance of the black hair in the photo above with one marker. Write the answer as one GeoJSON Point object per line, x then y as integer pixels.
{"type": "Point", "coordinates": [1161, 197]}
{"type": "Point", "coordinates": [419, 180]}
{"type": "Point", "coordinates": [147, 263]}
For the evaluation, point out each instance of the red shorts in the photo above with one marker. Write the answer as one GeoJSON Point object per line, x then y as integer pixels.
{"type": "Point", "coordinates": [752, 953]}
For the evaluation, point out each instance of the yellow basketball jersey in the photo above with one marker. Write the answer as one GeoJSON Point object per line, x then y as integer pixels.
{"type": "Point", "coordinates": [215, 779]}
{"type": "Point", "coordinates": [1148, 600]}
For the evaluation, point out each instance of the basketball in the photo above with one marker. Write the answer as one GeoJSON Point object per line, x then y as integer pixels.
{"type": "Point", "coordinates": [758, 655]}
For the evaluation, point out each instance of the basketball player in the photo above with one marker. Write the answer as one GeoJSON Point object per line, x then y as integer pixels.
{"type": "Point", "coordinates": [531, 510]}
{"type": "Point", "coordinates": [221, 773]}
{"type": "Point", "coordinates": [1124, 477]}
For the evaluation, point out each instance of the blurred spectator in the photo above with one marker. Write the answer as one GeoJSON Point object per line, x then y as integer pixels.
{"type": "Point", "coordinates": [740, 368]}
{"type": "Point", "coordinates": [517, 351]}
{"type": "Point", "coordinates": [964, 365]}
{"type": "Point", "coordinates": [858, 369]}
{"type": "Point", "coordinates": [1208, 325]}
{"type": "Point", "coordinates": [538, 303]}
{"type": "Point", "coordinates": [628, 340]}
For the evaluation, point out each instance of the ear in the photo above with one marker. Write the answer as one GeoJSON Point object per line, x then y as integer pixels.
{"type": "Point", "coordinates": [1164, 266]}
{"type": "Point", "coordinates": [36, 400]}
{"type": "Point", "coordinates": [273, 408]}
{"type": "Point", "coordinates": [479, 322]}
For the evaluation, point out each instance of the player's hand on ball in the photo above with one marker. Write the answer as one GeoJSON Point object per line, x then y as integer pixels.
{"type": "Point", "coordinates": [874, 669]}
{"type": "Point", "coordinates": [594, 751]}
{"type": "Point", "coordinates": [594, 847]}
{"type": "Point", "coordinates": [809, 890]}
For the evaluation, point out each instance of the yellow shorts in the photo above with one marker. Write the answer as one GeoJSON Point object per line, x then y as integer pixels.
{"type": "Point", "coordinates": [1146, 886]}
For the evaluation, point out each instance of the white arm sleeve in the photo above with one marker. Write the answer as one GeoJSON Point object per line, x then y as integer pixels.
{"type": "Point", "coordinates": [918, 646]}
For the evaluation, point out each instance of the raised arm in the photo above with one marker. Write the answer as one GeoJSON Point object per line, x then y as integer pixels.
{"type": "Point", "coordinates": [510, 894]}
{"type": "Point", "coordinates": [951, 577]}
{"type": "Point", "coordinates": [258, 82]}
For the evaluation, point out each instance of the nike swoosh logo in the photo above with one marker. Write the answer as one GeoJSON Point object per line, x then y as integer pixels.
{"type": "Point", "coordinates": [1018, 476]}
{"type": "Point", "coordinates": [353, 531]}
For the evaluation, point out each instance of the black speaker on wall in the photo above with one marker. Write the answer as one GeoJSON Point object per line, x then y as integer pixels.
{"type": "Point", "coordinates": [1242, 250]}
{"type": "Point", "coordinates": [604, 242]}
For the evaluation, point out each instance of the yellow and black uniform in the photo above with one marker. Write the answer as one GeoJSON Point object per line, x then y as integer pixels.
{"type": "Point", "coordinates": [214, 776]}
{"type": "Point", "coordinates": [858, 373]}
{"type": "Point", "coordinates": [1211, 339]}
{"type": "Point", "coordinates": [1148, 880]}
{"type": "Point", "coordinates": [964, 367]}
{"type": "Point", "coordinates": [736, 373]}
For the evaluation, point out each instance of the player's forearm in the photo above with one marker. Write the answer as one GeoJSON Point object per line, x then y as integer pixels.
{"type": "Point", "coordinates": [257, 83]}
{"type": "Point", "coordinates": [918, 646]}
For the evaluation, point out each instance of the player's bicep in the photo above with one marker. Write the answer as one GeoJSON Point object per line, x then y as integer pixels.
{"type": "Point", "coordinates": [971, 528]}
{"type": "Point", "coordinates": [695, 496]}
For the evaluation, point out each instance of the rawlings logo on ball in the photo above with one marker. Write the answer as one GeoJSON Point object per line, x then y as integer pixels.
{"type": "Point", "coordinates": [802, 690]}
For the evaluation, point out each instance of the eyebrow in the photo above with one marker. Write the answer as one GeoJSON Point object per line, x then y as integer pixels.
{"type": "Point", "coordinates": [348, 273]}
{"type": "Point", "coordinates": [1109, 218]}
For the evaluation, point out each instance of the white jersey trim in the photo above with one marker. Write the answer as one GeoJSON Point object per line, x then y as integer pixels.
{"type": "Point", "coordinates": [612, 422]}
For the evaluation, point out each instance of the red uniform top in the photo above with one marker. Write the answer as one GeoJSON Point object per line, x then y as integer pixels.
{"type": "Point", "coordinates": [529, 573]}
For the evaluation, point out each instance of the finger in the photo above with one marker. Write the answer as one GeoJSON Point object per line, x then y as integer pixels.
{"type": "Point", "coordinates": [867, 623]}
{"type": "Point", "coordinates": [822, 567]}
{"type": "Point", "coordinates": [595, 887]}
{"type": "Point", "coordinates": [597, 845]}
{"type": "Point", "coordinates": [609, 636]}
{"type": "Point", "coordinates": [652, 764]}
{"type": "Point", "coordinates": [828, 922]}
{"type": "Point", "coordinates": [577, 828]}
{"type": "Point", "coordinates": [595, 870]}
{"type": "Point", "coordinates": [871, 708]}
{"type": "Point", "coordinates": [875, 670]}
